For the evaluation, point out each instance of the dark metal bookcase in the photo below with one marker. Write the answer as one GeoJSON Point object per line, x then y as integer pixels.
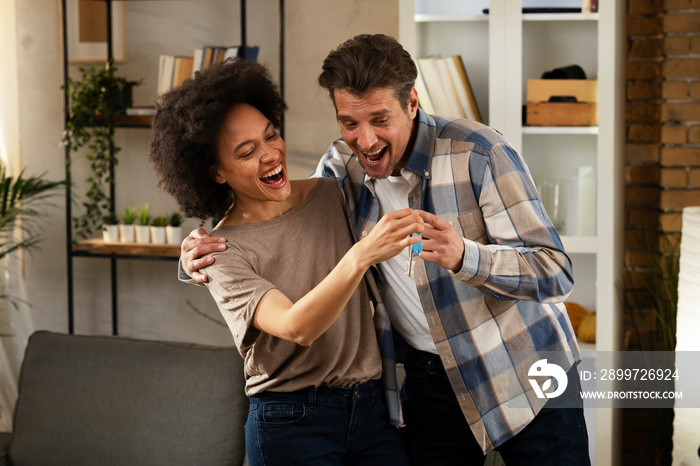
{"type": "Point", "coordinates": [114, 252]}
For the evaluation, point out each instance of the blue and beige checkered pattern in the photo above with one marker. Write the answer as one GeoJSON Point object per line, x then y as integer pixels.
{"type": "Point", "coordinates": [494, 318]}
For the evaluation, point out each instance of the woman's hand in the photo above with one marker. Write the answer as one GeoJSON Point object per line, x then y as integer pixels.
{"type": "Point", "coordinates": [390, 236]}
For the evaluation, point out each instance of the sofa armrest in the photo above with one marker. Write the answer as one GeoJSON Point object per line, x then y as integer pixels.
{"type": "Point", "coordinates": [4, 445]}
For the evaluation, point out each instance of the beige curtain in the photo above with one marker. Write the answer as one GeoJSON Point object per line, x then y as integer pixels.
{"type": "Point", "coordinates": [15, 319]}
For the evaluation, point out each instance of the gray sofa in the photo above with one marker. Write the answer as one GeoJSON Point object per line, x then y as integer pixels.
{"type": "Point", "coordinates": [102, 400]}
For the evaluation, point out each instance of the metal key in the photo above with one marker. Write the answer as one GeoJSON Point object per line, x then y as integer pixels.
{"type": "Point", "coordinates": [413, 249]}
{"type": "Point", "coordinates": [410, 263]}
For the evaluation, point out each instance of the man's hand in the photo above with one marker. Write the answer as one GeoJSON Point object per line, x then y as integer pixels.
{"type": "Point", "coordinates": [442, 245]}
{"type": "Point", "coordinates": [197, 244]}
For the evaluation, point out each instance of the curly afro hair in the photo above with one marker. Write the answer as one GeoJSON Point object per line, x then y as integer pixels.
{"type": "Point", "coordinates": [186, 128]}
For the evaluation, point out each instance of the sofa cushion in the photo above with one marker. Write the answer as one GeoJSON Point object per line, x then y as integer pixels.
{"type": "Point", "coordinates": [116, 401]}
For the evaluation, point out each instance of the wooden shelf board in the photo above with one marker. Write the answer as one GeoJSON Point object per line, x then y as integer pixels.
{"type": "Point", "coordinates": [98, 246]}
{"type": "Point", "coordinates": [135, 121]}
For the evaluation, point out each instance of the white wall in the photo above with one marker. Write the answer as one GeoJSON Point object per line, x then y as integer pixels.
{"type": "Point", "coordinates": [152, 303]}
{"type": "Point", "coordinates": [310, 36]}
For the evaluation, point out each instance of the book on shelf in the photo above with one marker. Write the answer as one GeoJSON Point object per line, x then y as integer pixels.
{"type": "Point", "coordinates": [209, 55]}
{"type": "Point", "coordinates": [433, 84]}
{"type": "Point", "coordinates": [182, 70]}
{"type": "Point", "coordinates": [197, 55]}
{"type": "Point", "coordinates": [423, 96]}
{"type": "Point", "coordinates": [463, 87]}
{"type": "Point", "coordinates": [446, 87]}
{"type": "Point", "coordinates": [165, 73]}
{"type": "Point", "coordinates": [231, 52]}
{"type": "Point", "coordinates": [252, 52]}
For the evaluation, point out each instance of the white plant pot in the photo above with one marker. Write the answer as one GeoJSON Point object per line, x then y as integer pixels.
{"type": "Point", "coordinates": [143, 233]}
{"type": "Point", "coordinates": [110, 233]}
{"type": "Point", "coordinates": [158, 235]}
{"type": "Point", "coordinates": [173, 234]}
{"type": "Point", "coordinates": [126, 233]}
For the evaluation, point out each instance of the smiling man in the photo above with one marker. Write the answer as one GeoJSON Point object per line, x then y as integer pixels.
{"type": "Point", "coordinates": [486, 296]}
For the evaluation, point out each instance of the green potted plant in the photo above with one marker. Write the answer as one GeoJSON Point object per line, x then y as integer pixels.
{"type": "Point", "coordinates": [173, 232]}
{"type": "Point", "coordinates": [19, 197]}
{"type": "Point", "coordinates": [96, 101]}
{"type": "Point", "coordinates": [142, 228]}
{"type": "Point", "coordinates": [126, 226]}
{"type": "Point", "coordinates": [110, 228]}
{"type": "Point", "coordinates": [158, 225]}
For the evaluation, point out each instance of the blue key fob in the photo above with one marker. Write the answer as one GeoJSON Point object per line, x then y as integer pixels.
{"type": "Point", "coordinates": [418, 247]}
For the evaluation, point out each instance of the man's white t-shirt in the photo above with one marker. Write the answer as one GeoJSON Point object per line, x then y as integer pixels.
{"type": "Point", "coordinates": [401, 296]}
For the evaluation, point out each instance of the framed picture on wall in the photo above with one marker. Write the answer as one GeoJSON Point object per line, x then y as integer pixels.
{"type": "Point", "coordinates": [87, 31]}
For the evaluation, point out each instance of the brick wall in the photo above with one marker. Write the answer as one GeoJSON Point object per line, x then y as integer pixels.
{"type": "Point", "coordinates": [663, 122]}
{"type": "Point", "coordinates": [643, 116]}
{"type": "Point", "coordinates": [680, 112]}
{"type": "Point", "coordinates": [662, 161]}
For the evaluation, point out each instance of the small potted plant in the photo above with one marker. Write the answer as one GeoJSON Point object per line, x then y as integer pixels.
{"type": "Point", "coordinates": [110, 228]}
{"type": "Point", "coordinates": [142, 228]}
{"type": "Point", "coordinates": [158, 225]}
{"type": "Point", "coordinates": [126, 227]}
{"type": "Point", "coordinates": [173, 232]}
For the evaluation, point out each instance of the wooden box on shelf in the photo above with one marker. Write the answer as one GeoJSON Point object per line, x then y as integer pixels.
{"type": "Point", "coordinates": [562, 102]}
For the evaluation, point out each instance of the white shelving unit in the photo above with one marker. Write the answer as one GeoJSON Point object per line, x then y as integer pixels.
{"type": "Point", "coordinates": [501, 51]}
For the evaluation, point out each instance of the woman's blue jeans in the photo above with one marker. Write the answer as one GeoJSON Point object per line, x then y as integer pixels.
{"type": "Point", "coordinates": [436, 432]}
{"type": "Point", "coordinates": [323, 426]}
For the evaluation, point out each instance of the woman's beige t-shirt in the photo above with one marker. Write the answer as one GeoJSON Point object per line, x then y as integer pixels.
{"type": "Point", "coordinates": [293, 253]}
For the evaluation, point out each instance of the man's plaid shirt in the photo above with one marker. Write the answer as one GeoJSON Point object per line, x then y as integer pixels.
{"type": "Point", "coordinates": [504, 309]}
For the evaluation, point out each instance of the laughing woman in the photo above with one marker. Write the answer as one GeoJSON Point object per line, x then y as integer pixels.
{"type": "Point", "coordinates": [291, 283]}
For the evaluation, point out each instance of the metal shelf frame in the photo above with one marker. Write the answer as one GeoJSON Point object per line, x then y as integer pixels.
{"type": "Point", "coordinates": [71, 250]}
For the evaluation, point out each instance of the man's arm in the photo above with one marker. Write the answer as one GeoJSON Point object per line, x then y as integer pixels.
{"type": "Point", "coordinates": [524, 258]}
{"type": "Point", "coordinates": [196, 245]}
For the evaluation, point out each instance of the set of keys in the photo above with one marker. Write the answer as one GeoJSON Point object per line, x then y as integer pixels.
{"type": "Point", "coordinates": [413, 249]}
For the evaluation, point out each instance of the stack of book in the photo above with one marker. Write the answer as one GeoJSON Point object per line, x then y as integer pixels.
{"type": "Point", "coordinates": [444, 89]}
{"type": "Point", "coordinates": [174, 69]}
